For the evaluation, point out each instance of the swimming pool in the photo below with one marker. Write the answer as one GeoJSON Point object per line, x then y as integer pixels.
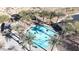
{"type": "Point", "coordinates": [42, 34]}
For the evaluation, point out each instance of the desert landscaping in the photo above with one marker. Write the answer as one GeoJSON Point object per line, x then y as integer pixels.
{"type": "Point", "coordinates": [39, 29]}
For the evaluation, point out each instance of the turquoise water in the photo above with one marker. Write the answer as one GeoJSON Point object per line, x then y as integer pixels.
{"type": "Point", "coordinates": [42, 34]}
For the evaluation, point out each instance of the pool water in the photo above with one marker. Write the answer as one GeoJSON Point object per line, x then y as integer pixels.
{"type": "Point", "coordinates": [42, 34]}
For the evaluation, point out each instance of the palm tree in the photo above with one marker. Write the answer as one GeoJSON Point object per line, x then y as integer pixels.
{"type": "Point", "coordinates": [30, 39]}
{"type": "Point", "coordinates": [53, 42]}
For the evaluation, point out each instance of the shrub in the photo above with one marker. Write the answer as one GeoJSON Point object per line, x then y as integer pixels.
{"type": "Point", "coordinates": [77, 26]}
{"type": "Point", "coordinates": [4, 18]}
{"type": "Point", "coordinates": [69, 27]}
{"type": "Point", "coordinates": [25, 15]}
